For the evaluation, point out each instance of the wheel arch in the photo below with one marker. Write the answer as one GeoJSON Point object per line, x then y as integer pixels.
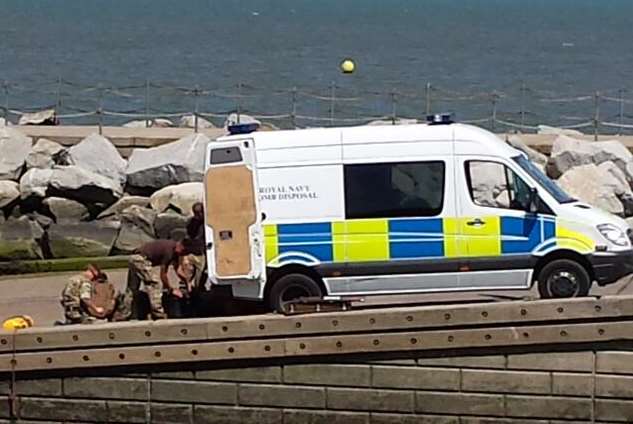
{"type": "Point", "coordinates": [274, 274]}
{"type": "Point", "coordinates": [563, 254]}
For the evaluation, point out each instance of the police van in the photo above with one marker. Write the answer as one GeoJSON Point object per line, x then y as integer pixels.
{"type": "Point", "coordinates": [375, 210]}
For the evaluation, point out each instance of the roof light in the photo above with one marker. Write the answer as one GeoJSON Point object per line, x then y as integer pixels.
{"type": "Point", "coordinates": [243, 128]}
{"type": "Point", "coordinates": [439, 119]}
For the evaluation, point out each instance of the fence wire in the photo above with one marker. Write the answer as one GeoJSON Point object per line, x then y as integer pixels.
{"type": "Point", "coordinates": [515, 108]}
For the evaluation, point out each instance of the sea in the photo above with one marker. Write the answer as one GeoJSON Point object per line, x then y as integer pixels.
{"type": "Point", "coordinates": [522, 62]}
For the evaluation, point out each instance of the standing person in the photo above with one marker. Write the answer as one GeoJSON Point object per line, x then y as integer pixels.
{"type": "Point", "coordinates": [158, 253]}
{"type": "Point", "coordinates": [196, 260]}
{"type": "Point", "coordinates": [88, 297]}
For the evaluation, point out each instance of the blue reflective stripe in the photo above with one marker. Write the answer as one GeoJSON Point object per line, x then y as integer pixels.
{"type": "Point", "coordinates": [314, 239]}
{"type": "Point", "coordinates": [528, 230]}
{"type": "Point", "coordinates": [416, 238]}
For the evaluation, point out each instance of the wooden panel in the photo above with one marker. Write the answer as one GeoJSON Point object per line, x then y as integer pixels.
{"type": "Point", "coordinates": [231, 210]}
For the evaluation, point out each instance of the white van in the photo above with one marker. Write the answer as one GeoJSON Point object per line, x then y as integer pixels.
{"type": "Point", "coordinates": [377, 210]}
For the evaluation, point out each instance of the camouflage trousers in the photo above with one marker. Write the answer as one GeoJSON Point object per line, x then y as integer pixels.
{"type": "Point", "coordinates": [141, 276]}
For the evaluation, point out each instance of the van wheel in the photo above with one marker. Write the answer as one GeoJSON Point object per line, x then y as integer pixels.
{"type": "Point", "coordinates": [291, 287]}
{"type": "Point", "coordinates": [563, 278]}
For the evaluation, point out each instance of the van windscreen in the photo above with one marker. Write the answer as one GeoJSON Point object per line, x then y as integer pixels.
{"type": "Point", "coordinates": [544, 181]}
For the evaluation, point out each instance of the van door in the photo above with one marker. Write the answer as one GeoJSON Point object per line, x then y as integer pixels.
{"type": "Point", "coordinates": [233, 221]}
{"type": "Point", "coordinates": [498, 233]}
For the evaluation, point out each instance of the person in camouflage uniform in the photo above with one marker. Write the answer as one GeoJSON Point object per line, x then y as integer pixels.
{"type": "Point", "coordinates": [88, 297]}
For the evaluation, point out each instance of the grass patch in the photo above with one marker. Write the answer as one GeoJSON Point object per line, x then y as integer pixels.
{"type": "Point", "coordinates": [60, 265]}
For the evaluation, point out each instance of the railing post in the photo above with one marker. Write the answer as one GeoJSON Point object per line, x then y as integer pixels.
{"type": "Point", "coordinates": [293, 112]}
{"type": "Point", "coordinates": [332, 102]}
{"type": "Point", "coordinates": [428, 98]}
{"type": "Point", "coordinates": [196, 94]}
{"type": "Point", "coordinates": [58, 100]}
{"type": "Point", "coordinates": [393, 108]}
{"type": "Point", "coordinates": [596, 116]}
{"type": "Point", "coordinates": [621, 111]}
{"type": "Point", "coordinates": [239, 101]}
{"type": "Point", "coordinates": [100, 110]}
{"type": "Point", "coordinates": [5, 86]}
{"type": "Point", "coordinates": [147, 121]}
{"type": "Point", "coordinates": [493, 117]}
{"type": "Point", "coordinates": [522, 106]}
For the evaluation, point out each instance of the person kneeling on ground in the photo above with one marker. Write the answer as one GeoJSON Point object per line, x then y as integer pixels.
{"type": "Point", "coordinates": [158, 253]}
{"type": "Point", "coordinates": [89, 297]}
{"type": "Point", "coordinates": [196, 258]}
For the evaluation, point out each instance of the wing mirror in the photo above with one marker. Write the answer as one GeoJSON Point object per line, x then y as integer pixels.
{"type": "Point", "coordinates": [533, 205]}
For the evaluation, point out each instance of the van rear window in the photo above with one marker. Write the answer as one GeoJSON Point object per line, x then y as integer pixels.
{"type": "Point", "coordinates": [390, 190]}
{"type": "Point", "coordinates": [225, 155]}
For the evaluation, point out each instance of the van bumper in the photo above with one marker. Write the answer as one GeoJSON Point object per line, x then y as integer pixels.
{"type": "Point", "coordinates": [610, 267]}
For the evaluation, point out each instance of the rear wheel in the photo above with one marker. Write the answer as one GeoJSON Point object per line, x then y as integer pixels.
{"type": "Point", "coordinates": [563, 278]}
{"type": "Point", "coordinates": [292, 287]}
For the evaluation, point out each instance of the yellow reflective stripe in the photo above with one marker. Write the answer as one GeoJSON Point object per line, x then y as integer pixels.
{"type": "Point", "coordinates": [574, 240]}
{"type": "Point", "coordinates": [338, 241]}
{"type": "Point", "coordinates": [454, 243]}
{"type": "Point", "coordinates": [271, 242]}
{"type": "Point", "coordinates": [367, 240]}
{"type": "Point", "coordinates": [483, 240]}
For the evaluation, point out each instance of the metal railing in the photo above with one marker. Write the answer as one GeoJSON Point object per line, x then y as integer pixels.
{"type": "Point", "coordinates": [517, 107]}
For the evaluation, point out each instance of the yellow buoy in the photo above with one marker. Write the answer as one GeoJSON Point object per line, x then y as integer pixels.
{"type": "Point", "coordinates": [17, 322]}
{"type": "Point", "coordinates": [348, 66]}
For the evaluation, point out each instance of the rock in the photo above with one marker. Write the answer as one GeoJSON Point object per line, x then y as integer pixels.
{"type": "Point", "coordinates": [137, 228]}
{"type": "Point", "coordinates": [45, 154]}
{"type": "Point", "coordinates": [9, 192]}
{"type": "Point", "coordinates": [173, 163]}
{"type": "Point", "coordinates": [593, 185]}
{"type": "Point", "coordinates": [170, 225]}
{"type": "Point", "coordinates": [14, 148]}
{"type": "Point", "coordinates": [535, 156]}
{"type": "Point", "coordinates": [42, 220]}
{"type": "Point", "coordinates": [34, 182]}
{"type": "Point", "coordinates": [234, 119]}
{"type": "Point", "coordinates": [489, 186]}
{"type": "Point", "coordinates": [82, 239]}
{"type": "Point", "coordinates": [162, 123]}
{"type": "Point", "coordinates": [267, 126]}
{"type": "Point", "coordinates": [74, 182]}
{"type": "Point", "coordinates": [19, 239]}
{"type": "Point", "coordinates": [544, 129]}
{"type": "Point", "coordinates": [122, 204]}
{"type": "Point", "coordinates": [189, 121]}
{"type": "Point", "coordinates": [567, 153]}
{"type": "Point", "coordinates": [42, 117]}
{"type": "Point", "coordinates": [618, 182]}
{"type": "Point", "coordinates": [398, 121]}
{"type": "Point", "coordinates": [138, 124]}
{"type": "Point", "coordinates": [97, 154]}
{"type": "Point", "coordinates": [180, 197]}
{"type": "Point", "coordinates": [616, 152]}
{"type": "Point", "coordinates": [65, 210]}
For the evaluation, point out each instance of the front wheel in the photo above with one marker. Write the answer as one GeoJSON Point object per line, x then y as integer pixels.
{"type": "Point", "coordinates": [563, 278]}
{"type": "Point", "coordinates": [292, 287]}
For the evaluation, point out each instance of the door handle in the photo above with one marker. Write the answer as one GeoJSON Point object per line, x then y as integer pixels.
{"type": "Point", "coordinates": [476, 222]}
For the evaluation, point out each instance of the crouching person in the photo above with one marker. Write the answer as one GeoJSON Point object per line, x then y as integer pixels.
{"type": "Point", "coordinates": [141, 276]}
{"type": "Point", "coordinates": [89, 297]}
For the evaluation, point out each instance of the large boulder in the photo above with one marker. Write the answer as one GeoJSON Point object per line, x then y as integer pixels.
{"type": "Point", "coordinates": [70, 182]}
{"type": "Point", "coordinates": [137, 228]}
{"type": "Point", "coordinates": [170, 225]}
{"type": "Point", "coordinates": [14, 148]}
{"type": "Point", "coordinates": [97, 154]}
{"type": "Point", "coordinates": [19, 239]}
{"type": "Point", "coordinates": [122, 204]}
{"type": "Point", "coordinates": [172, 163]}
{"type": "Point", "coordinates": [547, 130]}
{"type": "Point", "coordinates": [537, 157]}
{"type": "Point", "coordinates": [620, 185]}
{"type": "Point", "coordinates": [569, 152]}
{"type": "Point", "coordinates": [179, 197]}
{"type": "Point", "coordinates": [189, 121]}
{"type": "Point", "coordinates": [45, 154]}
{"type": "Point", "coordinates": [489, 184]}
{"type": "Point", "coordinates": [9, 192]}
{"type": "Point", "coordinates": [81, 239]}
{"type": "Point", "coordinates": [593, 185]}
{"type": "Point", "coordinates": [65, 210]}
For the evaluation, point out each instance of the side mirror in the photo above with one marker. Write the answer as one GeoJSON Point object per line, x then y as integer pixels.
{"type": "Point", "coordinates": [533, 205]}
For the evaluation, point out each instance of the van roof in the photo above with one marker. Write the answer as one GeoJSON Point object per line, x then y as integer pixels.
{"type": "Point", "coordinates": [469, 138]}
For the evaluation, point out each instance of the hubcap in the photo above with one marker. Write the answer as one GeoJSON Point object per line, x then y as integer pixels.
{"type": "Point", "coordinates": [563, 284]}
{"type": "Point", "coordinates": [294, 291]}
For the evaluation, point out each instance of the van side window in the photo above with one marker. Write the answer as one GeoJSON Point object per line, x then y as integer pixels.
{"type": "Point", "coordinates": [389, 190]}
{"type": "Point", "coordinates": [492, 184]}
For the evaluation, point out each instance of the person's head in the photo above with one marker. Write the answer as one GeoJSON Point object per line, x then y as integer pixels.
{"type": "Point", "coordinates": [93, 272]}
{"type": "Point", "coordinates": [180, 249]}
{"type": "Point", "coordinates": [198, 210]}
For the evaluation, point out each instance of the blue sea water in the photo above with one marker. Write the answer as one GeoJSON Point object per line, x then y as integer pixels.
{"type": "Point", "coordinates": [464, 48]}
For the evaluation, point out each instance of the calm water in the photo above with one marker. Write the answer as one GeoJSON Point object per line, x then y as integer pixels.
{"type": "Point", "coordinates": [463, 47]}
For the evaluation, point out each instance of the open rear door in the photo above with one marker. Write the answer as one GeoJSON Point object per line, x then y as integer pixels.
{"type": "Point", "coordinates": [233, 220]}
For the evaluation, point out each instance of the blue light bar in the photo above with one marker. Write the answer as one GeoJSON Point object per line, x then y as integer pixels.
{"type": "Point", "coordinates": [440, 119]}
{"type": "Point", "coordinates": [243, 128]}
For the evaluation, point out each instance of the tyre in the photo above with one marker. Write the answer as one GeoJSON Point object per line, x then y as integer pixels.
{"type": "Point", "coordinates": [291, 287]}
{"type": "Point", "coordinates": [563, 278]}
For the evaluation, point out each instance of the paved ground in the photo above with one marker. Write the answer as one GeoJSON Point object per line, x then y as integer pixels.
{"type": "Point", "coordinates": [38, 295]}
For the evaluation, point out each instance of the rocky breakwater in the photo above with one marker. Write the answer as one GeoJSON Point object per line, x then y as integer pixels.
{"type": "Point", "coordinates": [83, 201]}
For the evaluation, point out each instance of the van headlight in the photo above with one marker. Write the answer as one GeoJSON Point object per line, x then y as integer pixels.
{"type": "Point", "coordinates": [613, 234]}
